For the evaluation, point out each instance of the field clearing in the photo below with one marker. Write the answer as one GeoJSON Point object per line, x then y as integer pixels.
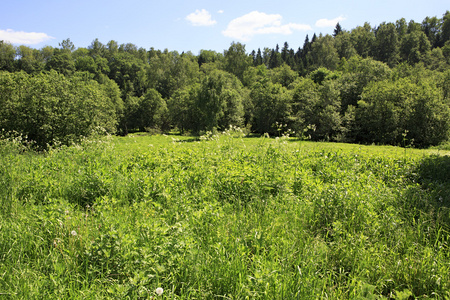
{"type": "Point", "coordinates": [224, 217]}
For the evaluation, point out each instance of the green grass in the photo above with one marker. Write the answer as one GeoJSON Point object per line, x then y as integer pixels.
{"type": "Point", "coordinates": [223, 217]}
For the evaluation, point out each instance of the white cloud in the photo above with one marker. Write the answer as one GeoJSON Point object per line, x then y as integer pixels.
{"type": "Point", "coordinates": [255, 22]}
{"type": "Point", "coordinates": [201, 18]}
{"type": "Point", "coordinates": [329, 23]}
{"type": "Point", "coordinates": [220, 11]}
{"type": "Point", "coordinates": [23, 38]}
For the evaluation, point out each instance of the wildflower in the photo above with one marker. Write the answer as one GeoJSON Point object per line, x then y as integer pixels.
{"type": "Point", "coordinates": [73, 232]}
{"type": "Point", "coordinates": [159, 291]}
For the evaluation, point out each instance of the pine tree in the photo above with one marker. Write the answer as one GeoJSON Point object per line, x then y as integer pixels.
{"type": "Point", "coordinates": [253, 56]}
{"type": "Point", "coordinates": [306, 50]}
{"type": "Point", "coordinates": [337, 30]}
{"type": "Point", "coordinates": [259, 59]}
{"type": "Point", "coordinates": [285, 52]}
{"type": "Point", "coordinates": [275, 58]}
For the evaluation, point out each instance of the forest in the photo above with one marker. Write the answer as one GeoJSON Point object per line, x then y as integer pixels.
{"type": "Point", "coordinates": [387, 84]}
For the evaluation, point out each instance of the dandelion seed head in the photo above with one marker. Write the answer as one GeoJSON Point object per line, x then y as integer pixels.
{"type": "Point", "coordinates": [159, 291]}
{"type": "Point", "coordinates": [73, 232]}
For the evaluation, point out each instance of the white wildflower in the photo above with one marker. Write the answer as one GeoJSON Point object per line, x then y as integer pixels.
{"type": "Point", "coordinates": [159, 291]}
{"type": "Point", "coordinates": [73, 232]}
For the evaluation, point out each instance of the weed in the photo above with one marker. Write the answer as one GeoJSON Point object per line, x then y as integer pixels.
{"type": "Point", "coordinates": [223, 217]}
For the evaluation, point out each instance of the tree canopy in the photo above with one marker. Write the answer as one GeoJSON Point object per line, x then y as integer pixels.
{"type": "Point", "coordinates": [364, 85]}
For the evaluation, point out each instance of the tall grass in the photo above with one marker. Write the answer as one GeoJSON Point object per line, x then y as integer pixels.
{"type": "Point", "coordinates": [223, 217]}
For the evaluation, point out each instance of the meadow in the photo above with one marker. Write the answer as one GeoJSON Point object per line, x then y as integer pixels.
{"type": "Point", "coordinates": [223, 217]}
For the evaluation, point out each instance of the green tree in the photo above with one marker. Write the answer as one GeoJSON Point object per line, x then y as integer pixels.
{"type": "Point", "coordinates": [358, 74]}
{"type": "Point", "coordinates": [266, 56]}
{"type": "Point", "coordinates": [386, 44]}
{"type": "Point", "coordinates": [413, 26]}
{"type": "Point", "coordinates": [67, 45]}
{"type": "Point", "coordinates": [29, 60]}
{"type": "Point", "coordinates": [329, 120]}
{"type": "Point", "coordinates": [318, 107]}
{"type": "Point", "coordinates": [445, 31]}
{"type": "Point", "coordinates": [429, 122]}
{"type": "Point", "coordinates": [170, 71]}
{"type": "Point", "coordinates": [183, 112]}
{"type": "Point", "coordinates": [97, 49]}
{"type": "Point", "coordinates": [431, 27]}
{"type": "Point", "coordinates": [402, 27]}
{"type": "Point", "coordinates": [7, 55]}
{"type": "Point", "coordinates": [49, 107]}
{"type": "Point", "coordinates": [275, 58]}
{"type": "Point", "coordinates": [254, 74]}
{"type": "Point", "coordinates": [209, 56]}
{"type": "Point", "coordinates": [305, 54]}
{"type": "Point", "coordinates": [337, 30]}
{"type": "Point", "coordinates": [112, 48]}
{"type": "Point", "coordinates": [259, 58]}
{"type": "Point", "coordinates": [414, 46]}
{"type": "Point", "coordinates": [236, 60]}
{"type": "Point", "coordinates": [322, 74]}
{"type": "Point", "coordinates": [86, 63]}
{"type": "Point", "coordinates": [323, 53]}
{"type": "Point", "coordinates": [446, 51]}
{"type": "Point", "coordinates": [61, 61]}
{"type": "Point", "coordinates": [151, 112]}
{"type": "Point", "coordinates": [219, 101]}
{"type": "Point", "coordinates": [446, 86]}
{"type": "Point", "coordinates": [388, 109]}
{"type": "Point", "coordinates": [283, 75]}
{"type": "Point", "coordinates": [363, 39]}
{"type": "Point", "coordinates": [435, 60]}
{"type": "Point", "coordinates": [344, 45]}
{"type": "Point", "coordinates": [129, 73]}
{"type": "Point", "coordinates": [46, 53]}
{"type": "Point", "coordinates": [305, 97]}
{"type": "Point", "coordinates": [270, 104]}
{"type": "Point", "coordinates": [287, 55]}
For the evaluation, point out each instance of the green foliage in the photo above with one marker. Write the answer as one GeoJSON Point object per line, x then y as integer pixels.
{"type": "Point", "coordinates": [236, 61]}
{"type": "Point", "coordinates": [49, 108]}
{"type": "Point", "coordinates": [222, 217]}
{"type": "Point", "coordinates": [148, 112]}
{"type": "Point", "coordinates": [170, 71]}
{"type": "Point", "coordinates": [215, 103]}
{"type": "Point", "coordinates": [363, 39]}
{"type": "Point", "coordinates": [61, 61]}
{"type": "Point", "coordinates": [7, 54]}
{"type": "Point", "coordinates": [270, 104]}
{"type": "Point", "coordinates": [344, 45]}
{"type": "Point", "coordinates": [317, 107]}
{"type": "Point", "coordinates": [161, 90]}
{"type": "Point", "coordinates": [30, 60]}
{"type": "Point", "coordinates": [283, 75]}
{"type": "Point", "coordinates": [357, 74]}
{"type": "Point", "coordinates": [324, 54]}
{"type": "Point", "coordinates": [321, 74]}
{"type": "Point", "coordinates": [209, 56]}
{"type": "Point", "coordinates": [414, 46]}
{"type": "Point", "coordinates": [387, 109]}
{"type": "Point", "coordinates": [386, 44]}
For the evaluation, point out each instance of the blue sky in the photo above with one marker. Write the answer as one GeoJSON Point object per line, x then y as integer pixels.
{"type": "Point", "coordinates": [194, 25]}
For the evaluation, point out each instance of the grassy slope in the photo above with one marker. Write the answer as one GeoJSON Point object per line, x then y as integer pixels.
{"type": "Point", "coordinates": [224, 218]}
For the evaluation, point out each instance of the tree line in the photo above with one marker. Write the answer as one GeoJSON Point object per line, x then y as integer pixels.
{"type": "Point", "coordinates": [384, 84]}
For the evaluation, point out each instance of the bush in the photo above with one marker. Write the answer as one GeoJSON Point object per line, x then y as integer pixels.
{"type": "Point", "coordinates": [49, 108]}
